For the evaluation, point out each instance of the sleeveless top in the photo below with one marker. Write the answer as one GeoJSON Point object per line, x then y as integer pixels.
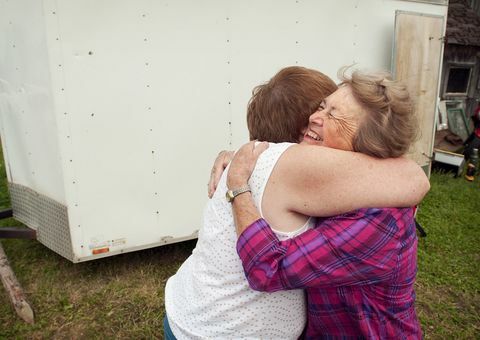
{"type": "Point", "coordinates": [209, 296]}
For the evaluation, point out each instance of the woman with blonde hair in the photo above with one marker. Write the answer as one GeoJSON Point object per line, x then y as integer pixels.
{"type": "Point", "coordinates": [209, 296]}
{"type": "Point", "coordinates": [358, 268]}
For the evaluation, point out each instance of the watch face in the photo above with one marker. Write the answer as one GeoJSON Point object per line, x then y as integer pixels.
{"type": "Point", "coordinates": [229, 195]}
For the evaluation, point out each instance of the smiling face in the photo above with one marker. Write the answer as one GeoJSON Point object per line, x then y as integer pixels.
{"type": "Point", "coordinates": [280, 108]}
{"type": "Point", "coordinates": [336, 121]}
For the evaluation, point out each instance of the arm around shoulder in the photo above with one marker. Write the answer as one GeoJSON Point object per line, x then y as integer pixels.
{"type": "Point", "coordinates": [321, 181]}
{"type": "Point", "coordinates": [326, 256]}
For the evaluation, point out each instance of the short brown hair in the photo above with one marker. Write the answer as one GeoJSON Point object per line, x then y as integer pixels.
{"type": "Point", "coordinates": [279, 110]}
{"type": "Point", "coordinates": [389, 125]}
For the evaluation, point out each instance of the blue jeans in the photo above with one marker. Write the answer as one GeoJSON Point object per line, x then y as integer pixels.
{"type": "Point", "coordinates": [167, 331]}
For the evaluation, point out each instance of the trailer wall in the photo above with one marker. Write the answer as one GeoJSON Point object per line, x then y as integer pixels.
{"type": "Point", "coordinates": [112, 112]}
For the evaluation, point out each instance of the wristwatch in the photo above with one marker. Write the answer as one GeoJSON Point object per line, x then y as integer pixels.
{"type": "Point", "coordinates": [231, 194]}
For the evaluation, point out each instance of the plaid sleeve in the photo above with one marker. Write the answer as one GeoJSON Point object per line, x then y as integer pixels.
{"type": "Point", "coordinates": [351, 249]}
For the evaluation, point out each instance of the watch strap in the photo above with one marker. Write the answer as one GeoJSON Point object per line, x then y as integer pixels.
{"type": "Point", "coordinates": [231, 194]}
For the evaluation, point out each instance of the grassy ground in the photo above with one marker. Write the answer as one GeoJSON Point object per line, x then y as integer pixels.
{"type": "Point", "coordinates": [448, 282]}
{"type": "Point", "coordinates": [122, 296]}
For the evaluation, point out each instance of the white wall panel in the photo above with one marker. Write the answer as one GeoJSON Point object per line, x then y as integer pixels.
{"type": "Point", "coordinates": [128, 102]}
{"type": "Point", "coordinates": [29, 130]}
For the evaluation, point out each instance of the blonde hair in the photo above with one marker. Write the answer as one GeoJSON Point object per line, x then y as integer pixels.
{"type": "Point", "coordinates": [389, 125]}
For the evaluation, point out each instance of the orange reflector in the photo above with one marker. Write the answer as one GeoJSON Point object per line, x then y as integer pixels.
{"type": "Point", "coordinates": [100, 251]}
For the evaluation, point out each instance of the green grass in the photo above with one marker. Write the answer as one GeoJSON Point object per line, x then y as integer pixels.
{"type": "Point", "coordinates": [448, 282]}
{"type": "Point", "coordinates": [122, 296]}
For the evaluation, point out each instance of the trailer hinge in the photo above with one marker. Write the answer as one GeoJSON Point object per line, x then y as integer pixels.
{"type": "Point", "coordinates": [430, 158]}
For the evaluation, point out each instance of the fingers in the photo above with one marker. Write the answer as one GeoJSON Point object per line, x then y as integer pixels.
{"type": "Point", "coordinates": [244, 162]}
{"type": "Point", "coordinates": [245, 149]}
{"type": "Point", "coordinates": [211, 185]}
{"type": "Point", "coordinates": [259, 148]}
{"type": "Point", "coordinates": [246, 158]}
{"type": "Point", "coordinates": [221, 162]}
{"type": "Point", "coordinates": [254, 147]}
{"type": "Point", "coordinates": [227, 158]}
{"type": "Point", "coordinates": [252, 150]}
{"type": "Point", "coordinates": [215, 174]}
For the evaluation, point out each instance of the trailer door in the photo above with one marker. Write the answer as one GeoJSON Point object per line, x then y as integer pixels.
{"type": "Point", "coordinates": [417, 57]}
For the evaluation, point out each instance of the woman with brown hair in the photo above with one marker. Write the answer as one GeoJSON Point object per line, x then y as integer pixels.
{"type": "Point", "coordinates": [209, 296]}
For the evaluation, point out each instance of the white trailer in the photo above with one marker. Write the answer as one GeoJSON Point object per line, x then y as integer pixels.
{"type": "Point", "coordinates": [111, 112]}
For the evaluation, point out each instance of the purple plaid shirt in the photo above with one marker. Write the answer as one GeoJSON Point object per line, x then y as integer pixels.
{"type": "Point", "coordinates": [358, 270]}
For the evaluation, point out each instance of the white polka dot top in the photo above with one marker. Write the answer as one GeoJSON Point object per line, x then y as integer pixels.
{"type": "Point", "coordinates": [209, 297]}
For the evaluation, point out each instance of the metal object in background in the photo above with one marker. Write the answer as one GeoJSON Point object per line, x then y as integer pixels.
{"type": "Point", "coordinates": [472, 165]}
{"type": "Point", "coordinates": [15, 232]}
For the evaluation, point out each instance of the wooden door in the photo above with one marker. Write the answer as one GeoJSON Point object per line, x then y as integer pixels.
{"type": "Point", "coordinates": [417, 58]}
